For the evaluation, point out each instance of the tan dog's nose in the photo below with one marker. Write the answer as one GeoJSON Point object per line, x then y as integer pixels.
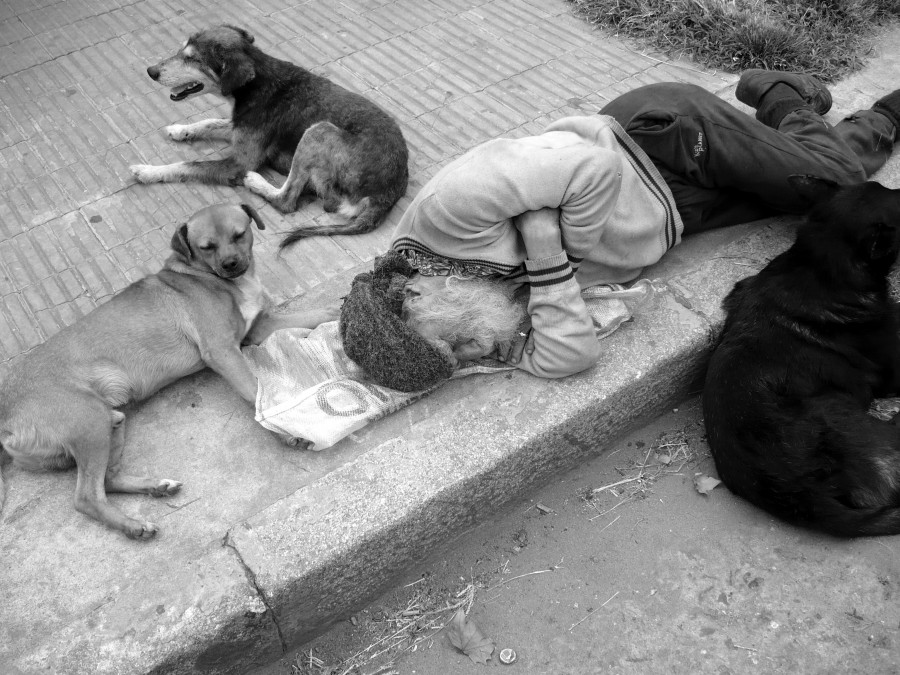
{"type": "Point", "coordinates": [230, 264]}
{"type": "Point", "coordinates": [153, 72]}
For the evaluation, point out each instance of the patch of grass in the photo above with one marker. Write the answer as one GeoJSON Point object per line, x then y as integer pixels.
{"type": "Point", "coordinates": [826, 38]}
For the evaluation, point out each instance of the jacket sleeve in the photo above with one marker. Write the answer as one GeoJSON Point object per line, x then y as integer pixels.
{"type": "Point", "coordinates": [504, 179]}
{"type": "Point", "coordinates": [564, 339]}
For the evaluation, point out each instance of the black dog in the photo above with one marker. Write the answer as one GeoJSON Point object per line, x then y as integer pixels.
{"type": "Point", "coordinates": [330, 141]}
{"type": "Point", "coordinates": [807, 344]}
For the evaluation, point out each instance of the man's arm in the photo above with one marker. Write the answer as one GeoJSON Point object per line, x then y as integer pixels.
{"type": "Point", "coordinates": [563, 337]}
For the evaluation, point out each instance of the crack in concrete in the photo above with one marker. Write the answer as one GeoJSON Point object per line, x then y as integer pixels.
{"type": "Point", "coordinates": [251, 577]}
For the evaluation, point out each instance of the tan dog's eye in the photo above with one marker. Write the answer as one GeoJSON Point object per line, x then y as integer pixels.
{"type": "Point", "coordinates": [240, 235]}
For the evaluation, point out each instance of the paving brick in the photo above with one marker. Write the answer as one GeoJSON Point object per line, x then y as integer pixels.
{"type": "Point", "coordinates": [84, 304]}
{"type": "Point", "coordinates": [424, 41]}
{"type": "Point", "coordinates": [40, 200]}
{"type": "Point", "coordinates": [96, 283]}
{"type": "Point", "coordinates": [25, 53]}
{"type": "Point", "coordinates": [402, 17]}
{"type": "Point", "coordinates": [459, 6]}
{"type": "Point", "coordinates": [53, 292]}
{"type": "Point", "coordinates": [97, 29]}
{"type": "Point", "coordinates": [303, 53]}
{"type": "Point", "coordinates": [10, 225]}
{"type": "Point", "coordinates": [13, 167]}
{"type": "Point", "coordinates": [71, 284]}
{"type": "Point", "coordinates": [415, 93]}
{"type": "Point", "coordinates": [426, 147]}
{"type": "Point", "coordinates": [10, 134]}
{"type": "Point", "coordinates": [460, 34]}
{"type": "Point", "coordinates": [60, 41]}
{"type": "Point", "coordinates": [47, 245]}
{"type": "Point", "coordinates": [502, 18]}
{"type": "Point", "coordinates": [80, 183]}
{"type": "Point", "coordinates": [14, 271]}
{"type": "Point", "coordinates": [36, 302]}
{"type": "Point", "coordinates": [539, 48]}
{"type": "Point", "coordinates": [78, 242]}
{"type": "Point", "coordinates": [49, 321]}
{"type": "Point", "coordinates": [32, 260]}
{"type": "Point", "coordinates": [343, 75]}
{"type": "Point", "coordinates": [20, 321]}
{"type": "Point", "coordinates": [12, 30]}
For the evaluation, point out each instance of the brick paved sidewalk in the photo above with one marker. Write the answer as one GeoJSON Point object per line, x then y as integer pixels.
{"type": "Point", "coordinates": [76, 108]}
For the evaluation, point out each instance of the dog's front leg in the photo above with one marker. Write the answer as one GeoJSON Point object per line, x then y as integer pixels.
{"type": "Point", "coordinates": [217, 172]}
{"type": "Point", "coordinates": [267, 323]}
{"type": "Point", "coordinates": [215, 128]}
{"type": "Point", "coordinates": [231, 364]}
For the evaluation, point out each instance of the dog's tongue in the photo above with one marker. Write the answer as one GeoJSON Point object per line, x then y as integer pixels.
{"type": "Point", "coordinates": [185, 91]}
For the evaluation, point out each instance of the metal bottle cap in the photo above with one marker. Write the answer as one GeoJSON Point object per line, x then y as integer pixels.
{"type": "Point", "coordinates": [507, 656]}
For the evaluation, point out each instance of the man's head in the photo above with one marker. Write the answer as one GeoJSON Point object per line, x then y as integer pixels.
{"type": "Point", "coordinates": [409, 332]}
{"type": "Point", "coordinates": [472, 316]}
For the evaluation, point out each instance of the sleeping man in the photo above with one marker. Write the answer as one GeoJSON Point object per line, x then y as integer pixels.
{"type": "Point", "coordinates": [593, 200]}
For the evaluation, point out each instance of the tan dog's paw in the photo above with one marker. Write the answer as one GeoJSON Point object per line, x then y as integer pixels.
{"type": "Point", "coordinates": [166, 487]}
{"type": "Point", "coordinates": [179, 132]}
{"type": "Point", "coordinates": [325, 314]}
{"type": "Point", "coordinates": [146, 173]}
{"type": "Point", "coordinates": [141, 531]}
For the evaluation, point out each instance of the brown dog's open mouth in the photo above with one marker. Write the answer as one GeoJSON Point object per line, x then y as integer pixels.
{"type": "Point", "coordinates": [185, 90]}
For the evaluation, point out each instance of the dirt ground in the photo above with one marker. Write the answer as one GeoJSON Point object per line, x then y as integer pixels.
{"type": "Point", "coordinates": [646, 576]}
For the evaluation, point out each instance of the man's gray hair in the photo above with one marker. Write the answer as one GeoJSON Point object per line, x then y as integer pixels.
{"type": "Point", "coordinates": [479, 309]}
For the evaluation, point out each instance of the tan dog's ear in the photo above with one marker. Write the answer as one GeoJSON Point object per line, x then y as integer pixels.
{"type": "Point", "coordinates": [254, 215]}
{"type": "Point", "coordinates": [180, 242]}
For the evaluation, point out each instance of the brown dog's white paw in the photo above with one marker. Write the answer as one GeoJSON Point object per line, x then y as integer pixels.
{"type": "Point", "coordinates": [256, 183]}
{"type": "Point", "coordinates": [166, 487]}
{"type": "Point", "coordinates": [146, 173]}
{"type": "Point", "coordinates": [141, 531]}
{"type": "Point", "coordinates": [179, 132]}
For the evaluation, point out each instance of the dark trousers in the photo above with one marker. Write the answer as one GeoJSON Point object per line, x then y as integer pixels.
{"type": "Point", "coordinates": [724, 167]}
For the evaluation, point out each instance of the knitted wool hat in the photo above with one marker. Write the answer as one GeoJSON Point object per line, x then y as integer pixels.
{"type": "Point", "coordinates": [378, 340]}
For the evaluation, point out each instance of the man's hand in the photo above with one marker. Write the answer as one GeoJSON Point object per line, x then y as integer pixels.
{"type": "Point", "coordinates": [523, 343]}
{"type": "Point", "coordinates": [511, 352]}
{"type": "Point", "coordinates": [540, 233]}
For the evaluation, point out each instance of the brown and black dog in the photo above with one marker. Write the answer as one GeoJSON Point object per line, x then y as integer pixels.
{"type": "Point", "coordinates": [58, 403]}
{"type": "Point", "coordinates": [330, 141]}
{"type": "Point", "coordinates": [807, 344]}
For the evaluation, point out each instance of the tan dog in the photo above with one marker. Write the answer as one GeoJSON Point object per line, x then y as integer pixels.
{"type": "Point", "coordinates": [57, 406]}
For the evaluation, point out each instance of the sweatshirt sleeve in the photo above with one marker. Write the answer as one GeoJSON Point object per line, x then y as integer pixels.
{"type": "Point", "coordinates": [564, 339]}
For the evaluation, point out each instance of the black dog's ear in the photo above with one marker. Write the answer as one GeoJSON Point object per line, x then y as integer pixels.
{"type": "Point", "coordinates": [242, 32]}
{"type": "Point", "coordinates": [880, 241]}
{"type": "Point", "coordinates": [254, 215]}
{"type": "Point", "coordinates": [180, 242]}
{"type": "Point", "coordinates": [237, 70]}
{"type": "Point", "coordinates": [813, 189]}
